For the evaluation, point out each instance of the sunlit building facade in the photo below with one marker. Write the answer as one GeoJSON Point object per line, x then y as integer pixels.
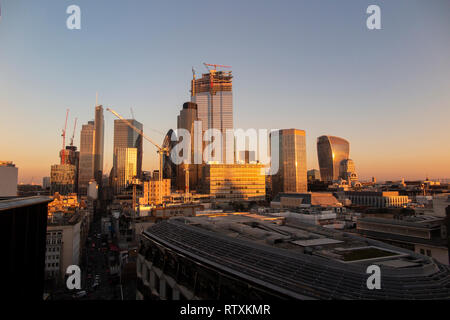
{"type": "Point", "coordinates": [125, 165]}
{"type": "Point", "coordinates": [151, 192]}
{"type": "Point", "coordinates": [331, 151]}
{"type": "Point", "coordinates": [234, 182]}
{"type": "Point", "coordinates": [347, 170]}
{"type": "Point", "coordinates": [213, 94]}
{"type": "Point", "coordinates": [126, 137]}
{"type": "Point", "coordinates": [292, 172]}
{"type": "Point", "coordinates": [8, 179]}
{"type": "Point", "coordinates": [62, 179]}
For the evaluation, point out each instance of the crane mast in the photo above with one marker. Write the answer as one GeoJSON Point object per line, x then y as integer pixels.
{"type": "Point", "coordinates": [63, 156]}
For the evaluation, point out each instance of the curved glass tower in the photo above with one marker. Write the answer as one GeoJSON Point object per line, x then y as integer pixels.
{"type": "Point", "coordinates": [331, 151]}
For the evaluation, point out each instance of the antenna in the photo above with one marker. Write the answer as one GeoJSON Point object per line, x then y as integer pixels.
{"type": "Point", "coordinates": [96, 99]}
{"type": "Point", "coordinates": [132, 113]}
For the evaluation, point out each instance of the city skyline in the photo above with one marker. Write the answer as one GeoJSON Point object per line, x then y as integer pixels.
{"type": "Point", "coordinates": [350, 82]}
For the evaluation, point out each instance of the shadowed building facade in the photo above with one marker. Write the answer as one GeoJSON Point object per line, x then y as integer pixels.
{"type": "Point", "coordinates": [331, 151]}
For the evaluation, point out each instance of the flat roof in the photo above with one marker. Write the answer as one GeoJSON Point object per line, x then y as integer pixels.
{"type": "Point", "coordinates": [316, 242]}
{"type": "Point", "coordinates": [23, 202]}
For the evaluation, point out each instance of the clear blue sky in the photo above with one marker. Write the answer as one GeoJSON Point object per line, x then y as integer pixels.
{"type": "Point", "coordinates": [311, 65]}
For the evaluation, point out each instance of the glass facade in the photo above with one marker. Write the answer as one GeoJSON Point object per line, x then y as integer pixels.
{"type": "Point", "coordinates": [86, 165]}
{"type": "Point", "coordinates": [126, 167]}
{"type": "Point", "coordinates": [331, 151]}
{"type": "Point", "coordinates": [291, 176]}
{"type": "Point", "coordinates": [126, 137]}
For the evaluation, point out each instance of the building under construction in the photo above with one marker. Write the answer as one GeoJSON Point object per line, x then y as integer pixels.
{"type": "Point", "coordinates": [213, 94]}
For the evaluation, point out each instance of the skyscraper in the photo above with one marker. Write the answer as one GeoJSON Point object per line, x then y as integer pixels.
{"type": "Point", "coordinates": [330, 152]}
{"type": "Point", "coordinates": [214, 98]}
{"type": "Point", "coordinates": [87, 143]}
{"type": "Point", "coordinates": [125, 165]}
{"type": "Point", "coordinates": [126, 138]}
{"type": "Point", "coordinates": [291, 175]}
{"type": "Point", "coordinates": [99, 125]}
{"type": "Point", "coordinates": [185, 120]}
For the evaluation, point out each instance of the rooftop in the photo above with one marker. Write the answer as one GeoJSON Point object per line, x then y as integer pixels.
{"type": "Point", "coordinates": [301, 260]}
{"type": "Point", "coordinates": [22, 202]}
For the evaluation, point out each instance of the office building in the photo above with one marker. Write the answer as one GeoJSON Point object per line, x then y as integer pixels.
{"type": "Point", "coordinates": [331, 151]}
{"type": "Point", "coordinates": [87, 144]}
{"type": "Point", "coordinates": [151, 191]}
{"type": "Point", "coordinates": [99, 127]}
{"type": "Point", "coordinates": [23, 224]}
{"type": "Point", "coordinates": [234, 182]}
{"type": "Point", "coordinates": [127, 138]}
{"type": "Point", "coordinates": [377, 199]}
{"type": "Point", "coordinates": [46, 183]}
{"type": "Point", "coordinates": [63, 179]}
{"type": "Point", "coordinates": [291, 175]}
{"type": "Point", "coordinates": [240, 256]}
{"type": "Point", "coordinates": [213, 95]}
{"type": "Point", "coordinates": [125, 167]}
{"type": "Point", "coordinates": [185, 120]}
{"type": "Point", "coordinates": [8, 179]}
{"type": "Point", "coordinates": [426, 235]}
{"type": "Point", "coordinates": [70, 155]}
{"type": "Point", "coordinates": [169, 168]}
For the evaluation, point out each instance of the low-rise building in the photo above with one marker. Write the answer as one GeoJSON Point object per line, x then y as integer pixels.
{"type": "Point", "coordinates": [234, 182]}
{"type": "Point", "coordinates": [378, 199]}
{"type": "Point", "coordinates": [8, 179]}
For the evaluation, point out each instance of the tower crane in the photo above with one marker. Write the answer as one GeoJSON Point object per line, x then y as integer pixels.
{"type": "Point", "coordinates": [73, 135]}
{"type": "Point", "coordinates": [160, 150]}
{"type": "Point", "coordinates": [63, 156]}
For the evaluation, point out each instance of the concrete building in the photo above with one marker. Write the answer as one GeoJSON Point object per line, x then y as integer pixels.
{"type": "Point", "coordinates": [377, 199]}
{"type": "Point", "coordinates": [151, 191]}
{"type": "Point", "coordinates": [63, 179]}
{"type": "Point", "coordinates": [291, 175]}
{"type": "Point", "coordinates": [87, 149]}
{"type": "Point", "coordinates": [331, 151]}
{"type": "Point", "coordinates": [294, 200]}
{"type": "Point", "coordinates": [64, 242]}
{"type": "Point", "coordinates": [234, 182]}
{"type": "Point", "coordinates": [23, 223]}
{"type": "Point", "coordinates": [46, 183]}
{"type": "Point", "coordinates": [261, 257]}
{"type": "Point", "coordinates": [426, 235]}
{"type": "Point", "coordinates": [8, 179]}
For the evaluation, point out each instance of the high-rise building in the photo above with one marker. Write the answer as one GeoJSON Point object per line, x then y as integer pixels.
{"type": "Point", "coordinates": [125, 167]}
{"type": "Point", "coordinates": [291, 175]}
{"type": "Point", "coordinates": [62, 179]}
{"type": "Point", "coordinates": [87, 144]}
{"type": "Point", "coordinates": [8, 179]}
{"type": "Point", "coordinates": [214, 98]}
{"type": "Point", "coordinates": [72, 156]}
{"type": "Point", "coordinates": [331, 151]}
{"type": "Point", "coordinates": [185, 120]}
{"type": "Point", "coordinates": [169, 168]}
{"type": "Point", "coordinates": [99, 125]}
{"type": "Point", "coordinates": [126, 137]}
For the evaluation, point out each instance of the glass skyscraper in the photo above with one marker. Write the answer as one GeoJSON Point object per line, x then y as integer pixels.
{"type": "Point", "coordinates": [86, 165]}
{"type": "Point", "coordinates": [213, 94]}
{"type": "Point", "coordinates": [331, 151]}
{"type": "Point", "coordinates": [126, 138]}
{"type": "Point", "coordinates": [291, 175]}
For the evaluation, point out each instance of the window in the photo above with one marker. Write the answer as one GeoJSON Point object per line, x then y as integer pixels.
{"type": "Point", "coordinates": [422, 251]}
{"type": "Point", "coordinates": [429, 253]}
